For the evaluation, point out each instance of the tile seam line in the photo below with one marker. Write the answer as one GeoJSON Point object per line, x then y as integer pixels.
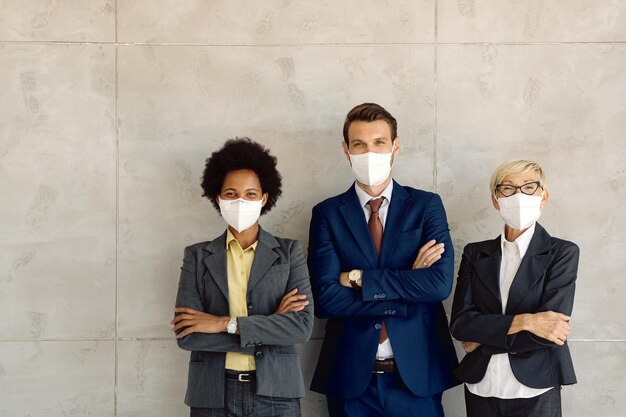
{"type": "Point", "coordinates": [117, 229]}
{"type": "Point", "coordinates": [166, 339]}
{"type": "Point", "coordinates": [293, 44]}
{"type": "Point", "coordinates": [435, 104]}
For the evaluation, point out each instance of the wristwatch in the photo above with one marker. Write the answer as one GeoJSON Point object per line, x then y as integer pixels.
{"type": "Point", "coordinates": [354, 276]}
{"type": "Point", "coordinates": [231, 327]}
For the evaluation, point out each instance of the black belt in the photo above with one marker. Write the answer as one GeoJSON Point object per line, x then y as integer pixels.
{"type": "Point", "coordinates": [382, 366]}
{"type": "Point", "coordinates": [241, 376]}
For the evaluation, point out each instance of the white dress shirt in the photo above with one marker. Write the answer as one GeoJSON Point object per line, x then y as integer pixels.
{"type": "Point", "coordinates": [499, 380]}
{"type": "Point", "coordinates": [384, 349]}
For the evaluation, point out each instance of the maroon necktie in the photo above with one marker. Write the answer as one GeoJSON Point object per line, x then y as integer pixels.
{"type": "Point", "coordinates": [376, 229]}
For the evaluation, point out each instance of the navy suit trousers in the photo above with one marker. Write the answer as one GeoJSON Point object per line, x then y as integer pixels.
{"type": "Point", "coordinates": [386, 396]}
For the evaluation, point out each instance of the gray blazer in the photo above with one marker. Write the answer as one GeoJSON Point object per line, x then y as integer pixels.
{"type": "Point", "coordinates": [278, 267]}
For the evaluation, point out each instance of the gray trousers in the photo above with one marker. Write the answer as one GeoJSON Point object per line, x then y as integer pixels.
{"type": "Point", "coordinates": [241, 400]}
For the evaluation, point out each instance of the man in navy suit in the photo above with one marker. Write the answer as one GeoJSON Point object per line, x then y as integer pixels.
{"type": "Point", "coordinates": [381, 261]}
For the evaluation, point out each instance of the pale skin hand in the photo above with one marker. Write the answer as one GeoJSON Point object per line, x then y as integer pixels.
{"type": "Point", "coordinates": [427, 255]}
{"type": "Point", "coordinates": [200, 322]}
{"type": "Point", "coordinates": [469, 347]}
{"type": "Point", "coordinates": [549, 325]}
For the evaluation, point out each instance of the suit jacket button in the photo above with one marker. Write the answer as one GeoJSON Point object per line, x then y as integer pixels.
{"type": "Point", "coordinates": [383, 295]}
{"type": "Point", "coordinates": [375, 296]}
{"type": "Point", "coordinates": [378, 326]}
{"type": "Point", "coordinates": [393, 311]}
{"type": "Point", "coordinates": [258, 354]}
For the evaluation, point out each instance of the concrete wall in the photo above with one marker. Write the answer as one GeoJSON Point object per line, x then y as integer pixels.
{"type": "Point", "coordinates": [109, 109]}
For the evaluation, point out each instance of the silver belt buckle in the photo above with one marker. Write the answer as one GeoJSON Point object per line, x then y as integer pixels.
{"type": "Point", "coordinates": [243, 377]}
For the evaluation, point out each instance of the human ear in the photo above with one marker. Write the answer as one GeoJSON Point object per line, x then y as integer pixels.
{"type": "Point", "coordinates": [494, 201]}
{"type": "Point", "coordinates": [545, 198]}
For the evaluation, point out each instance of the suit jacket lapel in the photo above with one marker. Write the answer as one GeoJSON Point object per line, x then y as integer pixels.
{"type": "Point", "coordinates": [264, 257]}
{"type": "Point", "coordinates": [215, 263]}
{"type": "Point", "coordinates": [355, 219]}
{"type": "Point", "coordinates": [396, 213]}
{"type": "Point", "coordinates": [532, 268]}
{"type": "Point", "coordinates": [488, 267]}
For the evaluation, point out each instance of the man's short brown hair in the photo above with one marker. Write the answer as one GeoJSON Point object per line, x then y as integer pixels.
{"type": "Point", "coordinates": [369, 112]}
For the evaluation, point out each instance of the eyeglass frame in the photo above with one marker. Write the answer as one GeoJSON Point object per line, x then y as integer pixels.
{"type": "Point", "coordinates": [516, 187]}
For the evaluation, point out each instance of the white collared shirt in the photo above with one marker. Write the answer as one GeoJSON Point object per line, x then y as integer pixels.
{"type": "Point", "coordinates": [499, 380]}
{"type": "Point", "coordinates": [384, 349]}
{"type": "Point", "coordinates": [364, 198]}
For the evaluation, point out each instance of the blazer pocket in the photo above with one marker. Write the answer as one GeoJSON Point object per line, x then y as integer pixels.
{"type": "Point", "coordinates": [410, 235]}
{"type": "Point", "coordinates": [195, 382]}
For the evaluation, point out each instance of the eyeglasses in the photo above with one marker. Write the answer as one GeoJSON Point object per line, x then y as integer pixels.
{"type": "Point", "coordinates": [508, 190]}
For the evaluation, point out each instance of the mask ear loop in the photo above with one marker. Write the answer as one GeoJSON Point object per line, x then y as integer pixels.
{"type": "Point", "coordinates": [393, 160]}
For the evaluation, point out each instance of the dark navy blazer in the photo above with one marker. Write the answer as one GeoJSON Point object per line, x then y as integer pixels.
{"type": "Point", "coordinates": [545, 281]}
{"type": "Point", "coordinates": [408, 300]}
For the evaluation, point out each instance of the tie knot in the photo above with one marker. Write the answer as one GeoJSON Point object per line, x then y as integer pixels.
{"type": "Point", "coordinates": [375, 204]}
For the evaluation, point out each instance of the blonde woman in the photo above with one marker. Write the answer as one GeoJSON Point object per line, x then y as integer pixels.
{"type": "Point", "coordinates": [513, 301]}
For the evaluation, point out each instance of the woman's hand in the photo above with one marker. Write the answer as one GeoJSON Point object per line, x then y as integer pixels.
{"type": "Point", "coordinates": [197, 322]}
{"type": "Point", "coordinates": [546, 324]}
{"type": "Point", "coordinates": [469, 347]}
{"type": "Point", "coordinates": [428, 254]}
{"type": "Point", "coordinates": [292, 302]}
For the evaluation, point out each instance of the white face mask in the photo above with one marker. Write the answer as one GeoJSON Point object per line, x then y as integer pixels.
{"type": "Point", "coordinates": [240, 214]}
{"type": "Point", "coordinates": [520, 211]}
{"type": "Point", "coordinates": [371, 168]}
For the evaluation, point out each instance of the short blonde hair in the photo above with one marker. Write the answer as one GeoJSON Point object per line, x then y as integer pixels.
{"type": "Point", "coordinates": [517, 166]}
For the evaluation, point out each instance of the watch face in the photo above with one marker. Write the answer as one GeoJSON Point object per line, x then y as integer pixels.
{"type": "Point", "coordinates": [231, 327]}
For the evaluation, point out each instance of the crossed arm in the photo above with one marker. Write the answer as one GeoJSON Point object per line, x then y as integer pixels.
{"type": "Point", "coordinates": [399, 287]}
{"type": "Point", "coordinates": [497, 333]}
{"type": "Point", "coordinates": [194, 321]}
{"type": "Point", "coordinates": [198, 330]}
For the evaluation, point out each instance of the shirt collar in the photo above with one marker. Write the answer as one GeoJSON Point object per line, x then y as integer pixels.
{"type": "Point", "coordinates": [365, 197]}
{"type": "Point", "coordinates": [230, 237]}
{"type": "Point", "coordinates": [522, 242]}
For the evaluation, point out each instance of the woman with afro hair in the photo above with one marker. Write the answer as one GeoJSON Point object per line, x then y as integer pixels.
{"type": "Point", "coordinates": [244, 299]}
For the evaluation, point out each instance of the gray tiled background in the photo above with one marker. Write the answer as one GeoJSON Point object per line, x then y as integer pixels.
{"type": "Point", "coordinates": [110, 107]}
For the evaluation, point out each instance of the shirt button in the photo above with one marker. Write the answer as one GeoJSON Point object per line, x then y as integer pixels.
{"type": "Point", "coordinates": [378, 326]}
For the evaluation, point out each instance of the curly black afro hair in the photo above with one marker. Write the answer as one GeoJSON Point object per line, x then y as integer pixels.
{"type": "Point", "coordinates": [242, 153]}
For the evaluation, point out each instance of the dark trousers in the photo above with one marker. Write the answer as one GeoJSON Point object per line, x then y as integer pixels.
{"type": "Point", "coordinates": [386, 395]}
{"type": "Point", "coordinates": [547, 404]}
{"type": "Point", "coordinates": [241, 400]}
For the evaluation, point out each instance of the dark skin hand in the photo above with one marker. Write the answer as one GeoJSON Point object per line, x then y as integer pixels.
{"type": "Point", "coordinates": [194, 321]}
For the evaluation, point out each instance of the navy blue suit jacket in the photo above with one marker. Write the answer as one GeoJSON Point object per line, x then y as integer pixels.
{"type": "Point", "coordinates": [545, 281]}
{"type": "Point", "coordinates": [409, 301]}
